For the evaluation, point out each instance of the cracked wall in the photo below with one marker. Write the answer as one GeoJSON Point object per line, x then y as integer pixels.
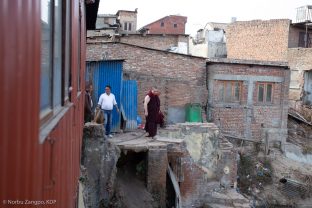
{"type": "Point", "coordinates": [199, 161]}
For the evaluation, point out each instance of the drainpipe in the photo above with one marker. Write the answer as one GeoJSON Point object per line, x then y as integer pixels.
{"type": "Point", "coordinates": [210, 91]}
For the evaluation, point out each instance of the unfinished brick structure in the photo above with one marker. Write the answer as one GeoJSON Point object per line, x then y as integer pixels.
{"type": "Point", "coordinates": [258, 40]}
{"type": "Point", "coordinates": [172, 24]}
{"type": "Point", "coordinates": [180, 78]}
{"type": "Point", "coordinates": [248, 98]}
{"type": "Point", "coordinates": [277, 40]}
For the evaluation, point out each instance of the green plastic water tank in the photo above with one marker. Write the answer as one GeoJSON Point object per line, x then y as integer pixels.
{"type": "Point", "coordinates": [193, 112]}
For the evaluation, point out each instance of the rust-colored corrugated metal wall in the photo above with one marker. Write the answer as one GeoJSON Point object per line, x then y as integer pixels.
{"type": "Point", "coordinates": [19, 88]}
{"type": "Point", "coordinates": [30, 170]}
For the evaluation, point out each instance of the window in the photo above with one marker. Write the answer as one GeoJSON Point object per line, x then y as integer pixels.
{"type": "Point", "coordinates": [162, 24]}
{"type": "Point", "coordinates": [175, 25]}
{"type": "Point", "coordinates": [229, 91]}
{"type": "Point", "coordinates": [67, 54]}
{"type": "Point", "coordinates": [46, 56]}
{"type": "Point", "coordinates": [304, 40]}
{"type": "Point", "coordinates": [130, 26]}
{"type": "Point", "coordinates": [55, 56]}
{"type": "Point", "coordinates": [127, 26]}
{"type": "Point", "coordinates": [79, 52]}
{"type": "Point", "coordinates": [265, 92]}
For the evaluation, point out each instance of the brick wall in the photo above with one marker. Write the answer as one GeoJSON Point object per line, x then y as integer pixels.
{"type": "Point", "coordinates": [159, 42]}
{"type": "Point", "coordinates": [247, 117]}
{"type": "Point", "coordinates": [180, 78]}
{"type": "Point", "coordinates": [299, 60]}
{"type": "Point", "coordinates": [258, 40]}
{"type": "Point", "coordinates": [168, 28]}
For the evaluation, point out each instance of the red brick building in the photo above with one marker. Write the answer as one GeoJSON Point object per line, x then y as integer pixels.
{"type": "Point", "coordinates": [255, 94]}
{"type": "Point", "coordinates": [180, 78]}
{"type": "Point", "coordinates": [248, 99]}
{"type": "Point", "coordinates": [172, 24]}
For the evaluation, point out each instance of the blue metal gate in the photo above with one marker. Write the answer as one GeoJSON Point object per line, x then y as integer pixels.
{"type": "Point", "coordinates": [102, 73]}
{"type": "Point", "coordinates": [130, 103]}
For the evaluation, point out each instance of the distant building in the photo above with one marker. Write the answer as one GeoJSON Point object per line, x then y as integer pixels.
{"type": "Point", "coordinates": [105, 21]}
{"type": "Point", "coordinates": [123, 22]}
{"type": "Point", "coordinates": [209, 42]}
{"type": "Point", "coordinates": [127, 21]}
{"type": "Point", "coordinates": [172, 24]}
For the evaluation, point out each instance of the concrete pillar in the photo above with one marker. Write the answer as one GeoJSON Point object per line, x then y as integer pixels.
{"type": "Point", "coordinates": [98, 166]}
{"type": "Point", "coordinates": [156, 174]}
{"type": "Point", "coordinates": [249, 109]}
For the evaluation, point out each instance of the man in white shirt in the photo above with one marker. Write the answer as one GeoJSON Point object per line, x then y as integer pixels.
{"type": "Point", "coordinates": [107, 102]}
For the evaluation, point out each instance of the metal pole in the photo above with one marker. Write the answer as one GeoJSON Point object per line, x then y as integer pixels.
{"type": "Point", "coordinates": [306, 36]}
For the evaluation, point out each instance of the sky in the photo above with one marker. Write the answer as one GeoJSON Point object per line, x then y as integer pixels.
{"type": "Point", "coordinates": [199, 12]}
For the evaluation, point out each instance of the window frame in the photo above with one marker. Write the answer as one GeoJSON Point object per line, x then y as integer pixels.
{"type": "Point", "coordinates": [265, 92]}
{"type": "Point", "coordinates": [129, 26]}
{"type": "Point", "coordinates": [65, 41]}
{"type": "Point", "coordinates": [47, 113]}
{"type": "Point", "coordinates": [304, 40]}
{"type": "Point", "coordinates": [66, 51]}
{"type": "Point", "coordinates": [175, 25]}
{"type": "Point", "coordinates": [79, 75]}
{"type": "Point", "coordinates": [125, 26]}
{"type": "Point", "coordinates": [224, 84]}
{"type": "Point", "coordinates": [162, 24]}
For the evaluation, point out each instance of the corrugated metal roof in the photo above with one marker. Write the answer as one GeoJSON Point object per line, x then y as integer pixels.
{"type": "Point", "coordinates": [102, 73]}
{"type": "Point", "coordinates": [130, 103]}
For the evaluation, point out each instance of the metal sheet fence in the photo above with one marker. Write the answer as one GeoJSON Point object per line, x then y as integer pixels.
{"type": "Point", "coordinates": [102, 73]}
{"type": "Point", "coordinates": [130, 102]}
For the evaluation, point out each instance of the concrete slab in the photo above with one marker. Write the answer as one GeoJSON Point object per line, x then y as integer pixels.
{"type": "Point", "coordinates": [137, 141]}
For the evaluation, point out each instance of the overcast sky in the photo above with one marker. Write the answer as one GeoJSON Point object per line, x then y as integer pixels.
{"type": "Point", "coordinates": [199, 12]}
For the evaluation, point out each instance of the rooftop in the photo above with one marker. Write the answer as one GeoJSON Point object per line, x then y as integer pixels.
{"type": "Point", "coordinates": [248, 62]}
{"type": "Point", "coordinates": [128, 11]}
{"type": "Point", "coordinates": [106, 15]}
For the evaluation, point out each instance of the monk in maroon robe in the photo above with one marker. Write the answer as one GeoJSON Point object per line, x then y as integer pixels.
{"type": "Point", "coordinates": [151, 109]}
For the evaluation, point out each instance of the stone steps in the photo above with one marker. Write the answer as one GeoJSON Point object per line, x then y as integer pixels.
{"type": "Point", "coordinates": [229, 198]}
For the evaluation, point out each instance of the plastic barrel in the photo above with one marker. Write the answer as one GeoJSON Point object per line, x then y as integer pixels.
{"type": "Point", "coordinates": [193, 112]}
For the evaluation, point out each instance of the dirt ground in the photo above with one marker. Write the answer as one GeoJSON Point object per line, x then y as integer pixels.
{"type": "Point", "coordinates": [131, 191]}
{"type": "Point", "coordinates": [259, 176]}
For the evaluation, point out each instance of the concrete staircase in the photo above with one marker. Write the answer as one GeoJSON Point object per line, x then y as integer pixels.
{"type": "Point", "coordinates": [227, 199]}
